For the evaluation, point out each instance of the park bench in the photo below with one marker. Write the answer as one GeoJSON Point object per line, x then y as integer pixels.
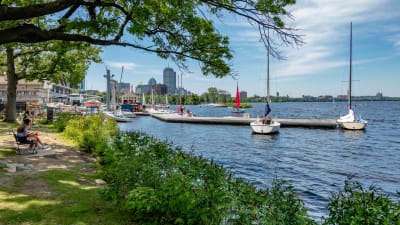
{"type": "Point", "coordinates": [31, 144]}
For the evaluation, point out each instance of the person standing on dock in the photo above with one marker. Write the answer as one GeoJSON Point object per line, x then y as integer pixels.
{"type": "Point", "coordinates": [180, 110]}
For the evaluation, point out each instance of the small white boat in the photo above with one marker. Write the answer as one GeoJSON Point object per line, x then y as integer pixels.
{"type": "Point", "coordinates": [117, 117]}
{"type": "Point", "coordinates": [238, 110]}
{"type": "Point", "coordinates": [128, 114]}
{"type": "Point", "coordinates": [349, 121]}
{"type": "Point", "coordinates": [218, 105]}
{"type": "Point", "coordinates": [259, 127]}
{"type": "Point", "coordinates": [155, 110]}
{"type": "Point", "coordinates": [262, 126]}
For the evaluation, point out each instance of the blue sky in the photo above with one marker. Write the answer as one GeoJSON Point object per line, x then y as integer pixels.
{"type": "Point", "coordinates": [319, 67]}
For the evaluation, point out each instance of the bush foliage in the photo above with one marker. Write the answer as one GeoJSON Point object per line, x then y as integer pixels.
{"type": "Point", "coordinates": [154, 183]}
{"type": "Point", "coordinates": [92, 133]}
{"type": "Point", "coordinates": [158, 184]}
{"type": "Point", "coordinates": [359, 205]}
{"type": "Point", "coordinates": [62, 121]}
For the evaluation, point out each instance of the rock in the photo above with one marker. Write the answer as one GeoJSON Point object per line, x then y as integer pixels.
{"type": "Point", "coordinates": [22, 168]}
{"type": "Point", "coordinates": [100, 182]}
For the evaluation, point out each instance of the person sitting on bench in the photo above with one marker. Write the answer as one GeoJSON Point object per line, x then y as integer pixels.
{"type": "Point", "coordinates": [25, 135]}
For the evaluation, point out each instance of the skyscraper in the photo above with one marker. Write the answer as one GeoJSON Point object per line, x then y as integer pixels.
{"type": "Point", "coordinates": [169, 79]}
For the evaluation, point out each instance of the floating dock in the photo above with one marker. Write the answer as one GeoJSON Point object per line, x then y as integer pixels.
{"type": "Point", "coordinates": [142, 114]}
{"type": "Point", "coordinates": [230, 120]}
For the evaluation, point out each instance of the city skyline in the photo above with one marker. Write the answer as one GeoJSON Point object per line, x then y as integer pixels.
{"type": "Point", "coordinates": [318, 67]}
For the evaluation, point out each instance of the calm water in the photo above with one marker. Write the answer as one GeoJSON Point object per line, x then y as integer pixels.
{"type": "Point", "coordinates": [315, 161]}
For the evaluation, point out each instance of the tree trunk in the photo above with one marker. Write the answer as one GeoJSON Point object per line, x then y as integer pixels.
{"type": "Point", "coordinates": [12, 80]}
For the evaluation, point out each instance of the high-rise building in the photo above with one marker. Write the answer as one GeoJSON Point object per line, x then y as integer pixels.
{"type": "Point", "coordinates": [169, 79]}
{"type": "Point", "coordinates": [123, 88]}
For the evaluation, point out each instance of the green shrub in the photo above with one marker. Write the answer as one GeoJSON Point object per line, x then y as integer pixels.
{"type": "Point", "coordinates": [92, 133]}
{"type": "Point", "coordinates": [41, 121]}
{"type": "Point", "coordinates": [62, 120]}
{"type": "Point", "coordinates": [357, 205]}
{"type": "Point", "coordinates": [157, 184]}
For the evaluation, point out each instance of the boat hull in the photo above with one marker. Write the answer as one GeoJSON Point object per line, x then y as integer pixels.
{"type": "Point", "coordinates": [159, 111]}
{"type": "Point", "coordinates": [238, 110]}
{"type": "Point", "coordinates": [352, 125]}
{"type": "Point", "coordinates": [118, 118]}
{"type": "Point", "coordinates": [259, 127]}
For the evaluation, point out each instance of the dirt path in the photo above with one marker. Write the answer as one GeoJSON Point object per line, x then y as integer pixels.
{"type": "Point", "coordinates": [59, 155]}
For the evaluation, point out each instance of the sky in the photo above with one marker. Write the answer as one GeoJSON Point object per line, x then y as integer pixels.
{"type": "Point", "coordinates": [318, 67]}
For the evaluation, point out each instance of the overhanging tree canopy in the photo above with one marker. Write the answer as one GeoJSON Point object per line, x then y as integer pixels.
{"type": "Point", "coordinates": [175, 29]}
{"type": "Point", "coordinates": [58, 61]}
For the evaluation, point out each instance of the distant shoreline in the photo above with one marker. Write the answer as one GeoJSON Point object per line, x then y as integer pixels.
{"type": "Point", "coordinates": [323, 99]}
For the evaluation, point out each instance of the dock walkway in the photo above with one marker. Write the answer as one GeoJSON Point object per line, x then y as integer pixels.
{"type": "Point", "coordinates": [230, 120]}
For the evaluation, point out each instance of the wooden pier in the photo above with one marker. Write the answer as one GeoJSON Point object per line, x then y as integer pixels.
{"type": "Point", "coordinates": [230, 120]}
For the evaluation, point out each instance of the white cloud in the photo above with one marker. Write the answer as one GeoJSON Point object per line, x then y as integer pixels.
{"type": "Point", "coordinates": [119, 65]}
{"type": "Point", "coordinates": [325, 25]}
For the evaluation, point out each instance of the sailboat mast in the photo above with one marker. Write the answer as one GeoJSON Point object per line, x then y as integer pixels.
{"type": "Point", "coordinates": [237, 100]}
{"type": "Point", "coordinates": [351, 55]}
{"type": "Point", "coordinates": [268, 68]}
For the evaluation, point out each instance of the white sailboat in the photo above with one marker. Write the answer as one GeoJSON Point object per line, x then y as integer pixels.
{"type": "Point", "coordinates": [264, 126]}
{"type": "Point", "coordinates": [349, 121]}
{"type": "Point", "coordinates": [143, 100]}
{"type": "Point", "coordinates": [116, 114]}
{"type": "Point", "coordinates": [158, 109]}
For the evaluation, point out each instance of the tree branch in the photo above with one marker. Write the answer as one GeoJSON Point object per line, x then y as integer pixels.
{"type": "Point", "coordinates": [29, 33]}
{"type": "Point", "coordinates": [36, 10]}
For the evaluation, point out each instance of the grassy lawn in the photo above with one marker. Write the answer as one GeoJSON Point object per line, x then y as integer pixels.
{"type": "Point", "coordinates": [57, 196]}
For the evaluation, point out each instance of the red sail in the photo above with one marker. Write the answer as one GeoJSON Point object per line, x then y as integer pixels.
{"type": "Point", "coordinates": [237, 103]}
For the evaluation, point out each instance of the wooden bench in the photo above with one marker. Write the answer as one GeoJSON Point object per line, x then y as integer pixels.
{"type": "Point", "coordinates": [32, 146]}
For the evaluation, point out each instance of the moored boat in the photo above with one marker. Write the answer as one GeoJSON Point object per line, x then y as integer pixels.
{"type": "Point", "coordinates": [262, 126]}
{"type": "Point", "coordinates": [117, 117]}
{"type": "Point", "coordinates": [349, 121]}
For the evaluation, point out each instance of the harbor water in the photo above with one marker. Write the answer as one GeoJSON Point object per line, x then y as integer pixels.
{"type": "Point", "coordinates": [316, 162]}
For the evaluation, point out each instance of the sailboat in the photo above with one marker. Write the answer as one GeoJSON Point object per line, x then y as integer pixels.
{"type": "Point", "coordinates": [164, 105]}
{"type": "Point", "coordinates": [349, 121]}
{"type": "Point", "coordinates": [236, 108]}
{"type": "Point", "coordinates": [264, 126]}
{"type": "Point", "coordinates": [166, 102]}
{"type": "Point", "coordinates": [143, 100]}
{"type": "Point", "coordinates": [114, 113]}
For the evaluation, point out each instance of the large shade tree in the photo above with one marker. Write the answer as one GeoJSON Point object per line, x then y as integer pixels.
{"type": "Point", "coordinates": [174, 29]}
{"type": "Point", "coordinates": [56, 61]}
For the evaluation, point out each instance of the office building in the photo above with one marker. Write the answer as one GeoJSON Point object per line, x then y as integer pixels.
{"type": "Point", "coordinates": [169, 80]}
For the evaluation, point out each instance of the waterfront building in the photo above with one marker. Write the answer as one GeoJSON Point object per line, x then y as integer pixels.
{"type": "Point", "coordinates": [152, 86]}
{"type": "Point", "coordinates": [169, 79]}
{"type": "Point", "coordinates": [123, 88]}
{"type": "Point", "coordinates": [35, 93]}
